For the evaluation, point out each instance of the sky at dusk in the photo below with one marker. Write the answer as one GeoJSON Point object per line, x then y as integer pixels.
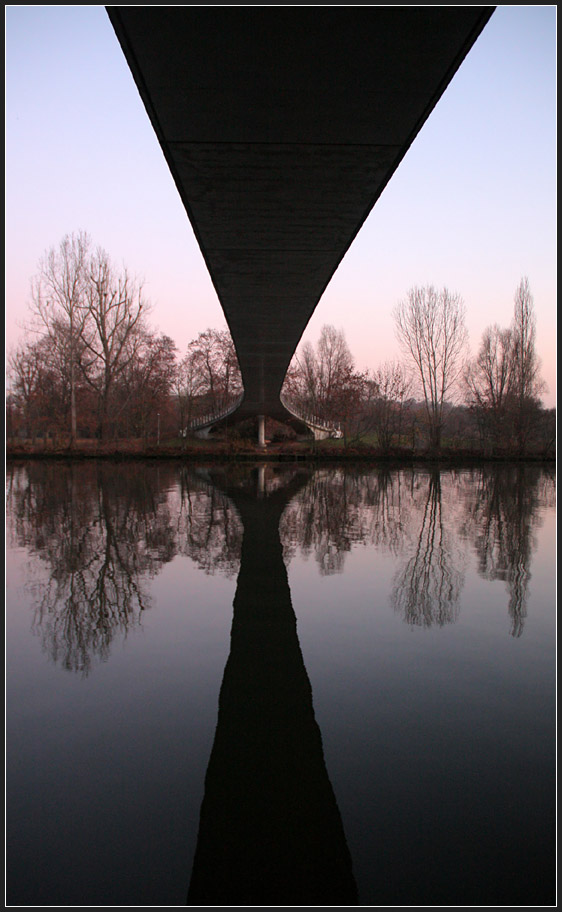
{"type": "Point", "coordinates": [472, 206]}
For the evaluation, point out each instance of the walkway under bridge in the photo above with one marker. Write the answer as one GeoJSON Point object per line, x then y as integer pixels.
{"type": "Point", "coordinates": [321, 428]}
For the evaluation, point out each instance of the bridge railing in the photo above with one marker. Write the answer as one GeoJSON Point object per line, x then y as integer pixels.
{"type": "Point", "coordinates": [315, 422]}
{"type": "Point", "coordinates": [206, 421]}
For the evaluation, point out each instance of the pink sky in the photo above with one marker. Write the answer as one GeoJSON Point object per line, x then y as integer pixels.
{"type": "Point", "coordinates": [472, 206]}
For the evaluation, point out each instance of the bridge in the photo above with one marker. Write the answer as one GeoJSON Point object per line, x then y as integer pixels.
{"type": "Point", "coordinates": [281, 127]}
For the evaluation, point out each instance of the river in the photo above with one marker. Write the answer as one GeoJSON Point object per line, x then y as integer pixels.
{"type": "Point", "coordinates": [280, 685]}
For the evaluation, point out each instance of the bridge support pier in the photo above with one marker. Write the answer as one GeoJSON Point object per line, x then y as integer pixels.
{"type": "Point", "coordinates": [261, 430]}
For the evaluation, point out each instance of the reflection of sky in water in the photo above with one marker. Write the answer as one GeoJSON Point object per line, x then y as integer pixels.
{"type": "Point", "coordinates": [456, 710]}
{"type": "Point", "coordinates": [106, 772]}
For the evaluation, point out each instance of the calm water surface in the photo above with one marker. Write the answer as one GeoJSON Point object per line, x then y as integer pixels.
{"type": "Point", "coordinates": [280, 686]}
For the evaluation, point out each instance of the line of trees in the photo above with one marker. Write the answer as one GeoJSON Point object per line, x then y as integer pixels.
{"type": "Point", "coordinates": [491, 400]}
{"type": "Point", "coordinates": [503, 383]}
{"type": "Point", "coordinates": [92, 366]}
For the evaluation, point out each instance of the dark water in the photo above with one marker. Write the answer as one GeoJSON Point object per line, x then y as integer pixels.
{"type": "Point", "coordinates": [268, 686]}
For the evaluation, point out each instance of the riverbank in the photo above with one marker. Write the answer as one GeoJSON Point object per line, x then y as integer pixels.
{"type": "Point", "coordinates": [246, 451]}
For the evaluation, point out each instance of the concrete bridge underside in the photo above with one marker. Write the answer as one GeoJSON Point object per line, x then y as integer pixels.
{"type": "Point", "coordinates": [281, 127]}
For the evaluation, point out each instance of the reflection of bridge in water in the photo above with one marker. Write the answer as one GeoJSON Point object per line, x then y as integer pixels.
{"type": "Point", "coordinates": [270, 828]}
{"type": "Point", "coordinates": [281, 129]}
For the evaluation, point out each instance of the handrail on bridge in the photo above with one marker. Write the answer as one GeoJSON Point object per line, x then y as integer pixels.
{"type": "Point", "coordinates": [206, 421]}
{"type": "Point", "coordinates": [334, 428]}
{"type": "Point", "coordinates": [314, 422]}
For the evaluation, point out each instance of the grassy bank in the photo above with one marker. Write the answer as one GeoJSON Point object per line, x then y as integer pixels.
{"type": "Point", "coordinates": [244, 450]}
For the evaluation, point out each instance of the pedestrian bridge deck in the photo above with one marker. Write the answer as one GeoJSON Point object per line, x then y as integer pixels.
{"type": "Point", "coordinates": [281, 127]}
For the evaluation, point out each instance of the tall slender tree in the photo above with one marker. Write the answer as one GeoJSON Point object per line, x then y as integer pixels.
{"type": "Point", "coordinates": [488, 381]}
{"type": "Point", "coordinates": [527, 384]}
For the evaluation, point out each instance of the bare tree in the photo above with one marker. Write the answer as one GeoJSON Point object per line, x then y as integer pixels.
{"type": "Point", "coordinates": [188, 386]}
{"type": "Point", "coordinates": [527, 384]}
{"type": "Point", "coordinates": [230, 378]}
{"type": "Point", "coordinates": [147, 382]}
{"type": "Point", "coordinates": [213, 358]}
{"type": "Point", "coordinates": [301, 383]}
{"type": "Point", "coordinates": [113, 332]}
{"type": "Point", "coordinates": [58, 303]}
{"type": "Point", "coordinates": [430, 328]}
{"type": "Point", "coordinates": [322, 382]}
{"type": "Point", "coordinates": [335, 363]}
{"type": "Point", "coordinates": [488, 382]}
{"type": "Point", "coordinates": [392, 385]}
{"type": "Point", "coordinates": [26, 371]}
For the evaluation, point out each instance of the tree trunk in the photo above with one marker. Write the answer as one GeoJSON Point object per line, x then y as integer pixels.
{"type": "Point", "coordinates": [436, 436]}
{"type": "Point", "coordinates": [72, 401]}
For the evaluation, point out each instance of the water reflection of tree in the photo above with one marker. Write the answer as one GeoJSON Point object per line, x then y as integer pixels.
{"type": "Point", "coordinates": [502, 515]}
{"type": "Point", "coordinates": [342, 507]}
{"type": "Point", "coordinates": [384, 499]}
{"type": "Point", "coordinates": [97, 532]}
{"type": "Point", "coordinates": [100, 530]}
{"type": "Point", "coordinates": [427, 588]}
{"type": "Point", "coordinates": [208, 528]}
